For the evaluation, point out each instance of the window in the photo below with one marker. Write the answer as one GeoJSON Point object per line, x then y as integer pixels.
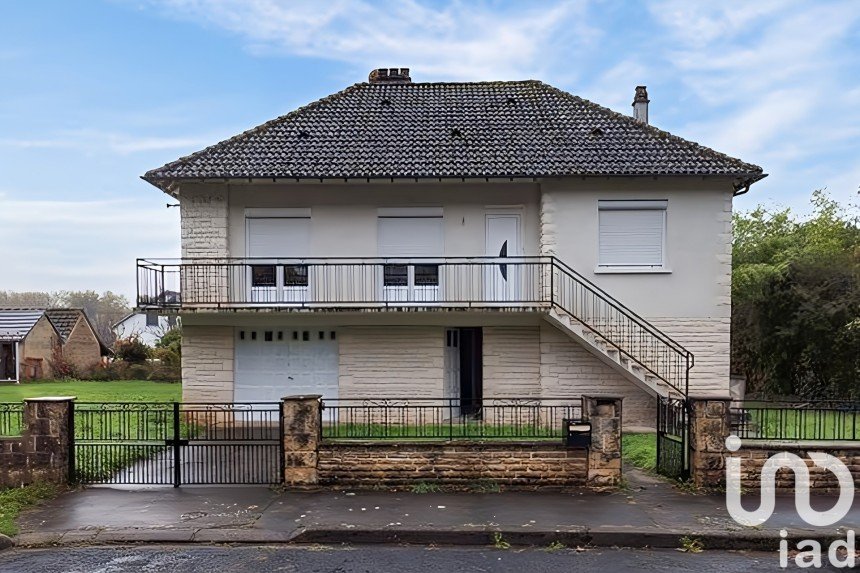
{"type": "Point", "coordinates": [426, 275]}
{"type": "Point", "coordinates": [632, 234]}
{"type": "Point", "coordinates": [263, 276]}
{"type": "Point", "coordinates": [395, 275]}
{"type": "Point", "coordinates": [296, 275]}
{"type": "Point", "coordinates": [151, 319]}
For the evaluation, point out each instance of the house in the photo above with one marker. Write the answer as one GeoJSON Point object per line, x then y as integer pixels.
{"type": "Point", "coordinates": [148, 327]}
{"type": "Point", "coordinates": [462, 241]}
{"type": "Point", "coordinates": [34, 341]}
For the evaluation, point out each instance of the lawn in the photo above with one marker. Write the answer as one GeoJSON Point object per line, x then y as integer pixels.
{"type": "Point", "coordinates": [93, 391]}
{"type": "Point", "coordinates": [16, 499]}
{"type": "Point", "coordinates": [640, 450]}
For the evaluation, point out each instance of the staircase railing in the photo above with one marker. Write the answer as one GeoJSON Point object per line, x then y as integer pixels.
{"type": "Point", "coordinates": [627, 332]}
{"type": "Point", "coordinates": [441, 282]}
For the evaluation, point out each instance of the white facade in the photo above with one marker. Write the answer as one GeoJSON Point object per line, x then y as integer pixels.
{"type": "Point", "coordinates": [682, 287]}
{"type": "Point", "coordinates": [149, 329]}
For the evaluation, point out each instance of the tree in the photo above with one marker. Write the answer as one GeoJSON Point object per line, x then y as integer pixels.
{"type": "Point", "coordinates": [796, 300]}
{"type": "Point", "coordinates": [103, 310]}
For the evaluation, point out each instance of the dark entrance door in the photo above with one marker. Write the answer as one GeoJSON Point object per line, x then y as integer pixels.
{"type": "Point", "coordinates": [471, 370]}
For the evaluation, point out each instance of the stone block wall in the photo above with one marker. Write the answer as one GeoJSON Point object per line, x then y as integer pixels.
{"type": "Point", "coordinates": [511, 361]}
{"type": "Point", "coordinates": [754, 455]}
{"type": "Point", "coordinates": [310, 460]}
{"type": "Point", "coordinates": [511, 464]}
{"type": "Point", "coordinates": [42, 452]}
{"type": "Point", "coordinates": [207, 363]}
{"type": "Point", "coordinates": [394, 361]}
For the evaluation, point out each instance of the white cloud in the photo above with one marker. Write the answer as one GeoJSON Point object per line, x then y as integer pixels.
{"type": "Point", "coordinates": [457, 41]}
{"type": "Point", "coordinates": [75, 245]}
{"type": "Point", "coordinates": [92, 141]}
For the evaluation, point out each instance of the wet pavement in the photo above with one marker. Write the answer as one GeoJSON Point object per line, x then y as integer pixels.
{"type": "Point", "coordinates": [377, 559]}
{"type": "Point", "coordinates": [651, 514]}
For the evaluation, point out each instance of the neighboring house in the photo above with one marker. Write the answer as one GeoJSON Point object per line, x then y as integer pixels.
{"type": "Point", "coordinates": [453, 240]}
{"type": "Point", "coordinates": [31, 341]}
{"type": "Point", "coordinates": [148, 327]}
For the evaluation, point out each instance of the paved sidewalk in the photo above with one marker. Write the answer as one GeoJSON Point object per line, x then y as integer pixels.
{"type": "Point", "coordinates": [652, 514]}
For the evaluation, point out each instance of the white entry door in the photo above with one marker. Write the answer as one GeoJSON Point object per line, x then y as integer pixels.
{"type": "Point", "coordinates": [278, 237]}
{"type": "Point", "coordinates": [275, 362]}
{"type": "Point", "coordinates": [501, 280]}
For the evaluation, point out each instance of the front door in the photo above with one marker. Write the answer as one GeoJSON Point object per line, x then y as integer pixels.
{"type": "Point", "coordinates": [471, 370]}
{"type": "Point", "coordinates": [501, 280]}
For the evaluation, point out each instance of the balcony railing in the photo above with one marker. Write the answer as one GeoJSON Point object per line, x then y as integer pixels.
{"type": "Point", "coordinates": [402, 283]}
{"type": "Point", "coordinates": [315, 283]}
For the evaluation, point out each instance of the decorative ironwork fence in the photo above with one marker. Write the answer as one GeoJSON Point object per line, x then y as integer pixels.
{"type": "Point", "coordinates": [832, 420]}
{"type": "Point", "coordinates": [442, 419]}
{"type": "Point", "coordinates": [11, 418]}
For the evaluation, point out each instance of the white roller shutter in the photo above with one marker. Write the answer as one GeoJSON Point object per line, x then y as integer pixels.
{"type": "Point", "coordinates": [632, 233]}
{"type": "Point", "coordinates": [410, 237]}
{"type": "Point", "coordinates": [278, 237]}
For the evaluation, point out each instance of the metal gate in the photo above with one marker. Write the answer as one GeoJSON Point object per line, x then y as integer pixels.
{"type": "Point", "coordinates": [171, 443]}
{"type": "Point", "coordinates": [673, 457]}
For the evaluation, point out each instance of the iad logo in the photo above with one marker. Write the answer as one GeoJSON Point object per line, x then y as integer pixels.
{"type": "Point", "coordinates": [811, 557]}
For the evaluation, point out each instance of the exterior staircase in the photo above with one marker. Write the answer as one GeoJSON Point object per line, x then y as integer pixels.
{"type": "Point", "coordinates": [617, 336]}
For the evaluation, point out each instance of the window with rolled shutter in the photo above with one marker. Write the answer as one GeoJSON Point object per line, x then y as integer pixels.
{"type": "Point", "coordinates": [632, 233]}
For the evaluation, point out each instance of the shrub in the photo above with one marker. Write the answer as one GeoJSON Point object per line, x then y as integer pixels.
{"type": "Point", "coordinates": [172, 340]}
{"type": "Point", "coordinates": [131, 350]}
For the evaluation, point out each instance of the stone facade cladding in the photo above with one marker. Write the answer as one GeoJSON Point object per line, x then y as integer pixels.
{"type": "Point", "coordinates": [709, 341]}
{"type": "Point", "coordinates": [512, 357]}
{"type": "Point", "coordinates": [203, 212]}
{"type": "Point", "coordinates": [38, 347]}
{"type": "Point", "coordinates": [82, 348]}
{"type": "Point", "coordinates": [391, 361]}
{"type": "Point", "coordinates": [42, 452]}
{"type": "Point", "coordinates": [454, 464]}
{"type": "Point", "coordinates": [567, 369]}
{"type": "Point", "coordinates": [207, 363]}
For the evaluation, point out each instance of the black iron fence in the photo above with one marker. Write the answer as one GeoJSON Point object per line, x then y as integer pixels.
{"type": "Point", "coordinates": [448, 419]}
{"type": "Point", "coordinates": [170, 443]}
{"type": "Point", "coordinates": [11, 418]}
{"type": "Point", "coordinates": [833, 420]}
{"type": "Point", "coordinates": [449, 282]}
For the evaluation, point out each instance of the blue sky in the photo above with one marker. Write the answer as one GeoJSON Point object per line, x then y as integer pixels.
{"type": "Point", "coordinates": [92, 94]}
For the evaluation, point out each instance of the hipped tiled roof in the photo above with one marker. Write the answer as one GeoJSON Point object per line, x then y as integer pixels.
{"type": "Point", "coordinates": [462, 130]}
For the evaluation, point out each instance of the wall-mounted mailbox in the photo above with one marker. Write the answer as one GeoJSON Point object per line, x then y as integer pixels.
{"type": "Point", "coordinates": [577, 434]}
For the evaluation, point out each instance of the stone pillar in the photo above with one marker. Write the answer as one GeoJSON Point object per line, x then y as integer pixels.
{"type": "Point", "coordinates": [302, 434]}
{"type": "Point", "coordinates": [48, 438]}
{"type": "Point", "coordinates": [709, 428]}
{"type": "Point", "coordinates": [604, 455]}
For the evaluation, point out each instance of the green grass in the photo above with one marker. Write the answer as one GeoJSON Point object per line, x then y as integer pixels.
{"type": "Point", "coordinates": [14, 500]}
{"type": "Point", "coordinates": [763, 422]}
{"type": "Point", "coordinates": [472, 430]}
{"type": "Point", "coordinates": [640, 450]}
{"type": "Point", "coordinates": [93, 391]}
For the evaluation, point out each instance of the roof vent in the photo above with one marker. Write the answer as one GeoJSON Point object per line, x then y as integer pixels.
{"type": "Point", "coordinates": [390, 76]}
{"type": "Point", "coordinates": [640, 105]}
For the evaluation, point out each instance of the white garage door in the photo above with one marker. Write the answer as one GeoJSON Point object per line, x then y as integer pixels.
{"type": "Point", "coordinates": [271, 364]}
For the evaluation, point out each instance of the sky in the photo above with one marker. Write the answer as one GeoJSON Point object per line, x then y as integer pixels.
{"type": "Point", "coordinates": [95, 93]}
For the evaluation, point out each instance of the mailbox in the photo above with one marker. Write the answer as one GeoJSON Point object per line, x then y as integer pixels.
{"type": "Point", "coordinates": [576, 434]}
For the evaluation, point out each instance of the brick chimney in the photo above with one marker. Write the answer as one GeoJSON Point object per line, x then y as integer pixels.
{"type": "Point", "coordinates": [640, 105]}
{"type": "Point", "coordinates": [390, 76]}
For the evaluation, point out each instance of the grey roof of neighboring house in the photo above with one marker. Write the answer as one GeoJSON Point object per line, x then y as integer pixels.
{"type": "Point", "coordinates": [462, 130]}
{"type": "Point", "coordinates": [16, 323]}
{"type": "Point", "coordinates": [64, 320]}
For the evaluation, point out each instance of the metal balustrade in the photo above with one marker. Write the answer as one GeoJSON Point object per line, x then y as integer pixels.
{"type": "Point", "coordinates": [530, 283]}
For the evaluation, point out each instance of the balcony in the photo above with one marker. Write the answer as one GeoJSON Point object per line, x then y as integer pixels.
{"type": "Point", "coordinates": [343, 283]}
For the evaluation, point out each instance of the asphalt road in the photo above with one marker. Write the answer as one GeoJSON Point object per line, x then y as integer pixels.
{"type": "Point", "coordinates": [372, 559]}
